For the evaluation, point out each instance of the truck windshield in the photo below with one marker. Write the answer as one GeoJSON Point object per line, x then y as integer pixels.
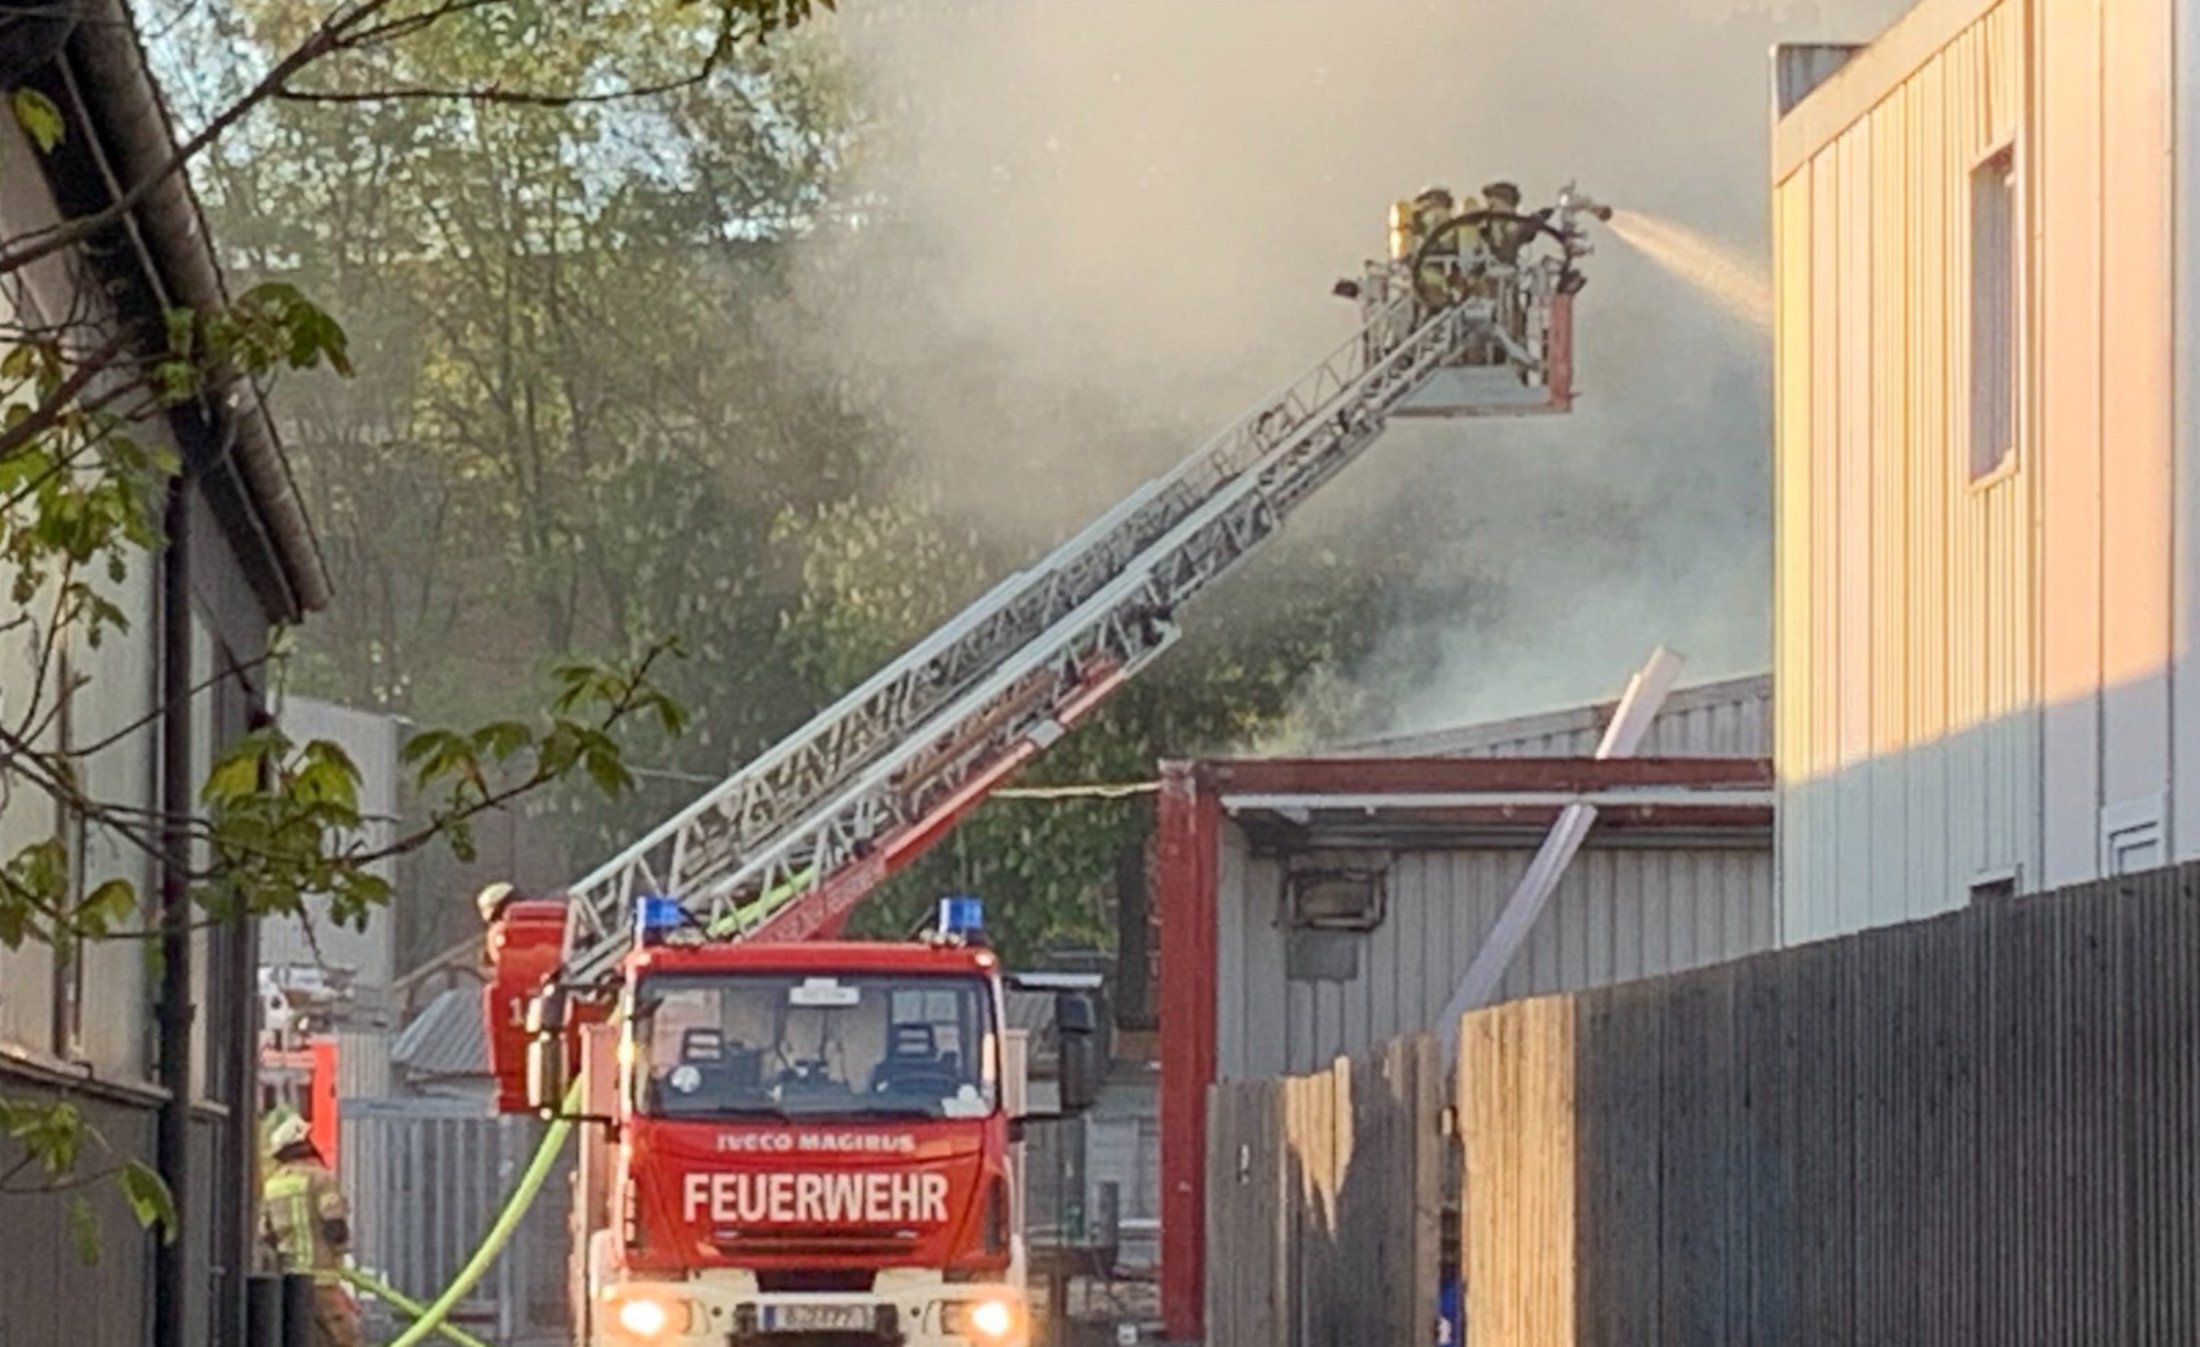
{"type": "Point", "coordinates": [733, 1046]}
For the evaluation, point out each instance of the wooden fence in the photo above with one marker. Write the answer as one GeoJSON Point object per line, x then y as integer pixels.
{"type": "Point", "coordinates": [1324, 1197]}
{"type": "Point", "coordinates": [1979, 1129]}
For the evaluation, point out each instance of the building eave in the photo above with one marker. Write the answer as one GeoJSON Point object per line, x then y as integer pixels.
{"type": "Point", "coordinates": [1867, 74]}
{"type": "Point", "coordinates": [159, 257]}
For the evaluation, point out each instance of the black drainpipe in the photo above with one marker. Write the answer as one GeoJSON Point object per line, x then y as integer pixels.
{"type": "Point", "coordinates": [243, 1100]}
{"type": "Point", "coordinates": [172, 1299]}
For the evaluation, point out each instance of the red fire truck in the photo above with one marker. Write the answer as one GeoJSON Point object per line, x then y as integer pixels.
{"type": "Point", "coordinates": [810, 1142]}
{"type": "Point", "coordinates": [796, 1139]}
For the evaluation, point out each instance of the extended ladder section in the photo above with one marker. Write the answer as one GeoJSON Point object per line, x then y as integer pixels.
{"type": "Point", "coordinates": [784, 848]}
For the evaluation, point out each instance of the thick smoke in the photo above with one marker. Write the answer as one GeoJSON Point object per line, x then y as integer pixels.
{"type": "Point", "coordinates": [1116, 224]}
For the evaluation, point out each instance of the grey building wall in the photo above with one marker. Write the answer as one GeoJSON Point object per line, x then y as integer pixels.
{"type": "Point", "coordinates": [81, 1026]}
{"type": "Point", "coordinates": [1621, 912]}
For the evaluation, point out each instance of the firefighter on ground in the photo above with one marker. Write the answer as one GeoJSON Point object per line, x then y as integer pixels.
{"type": "Point", "coordinates": [307, 1223]}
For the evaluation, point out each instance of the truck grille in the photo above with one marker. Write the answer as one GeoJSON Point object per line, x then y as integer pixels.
{"type": "Point", "coordinates": [814, 1279]}
{"type": "Point", "coordinates": [817, 1245]}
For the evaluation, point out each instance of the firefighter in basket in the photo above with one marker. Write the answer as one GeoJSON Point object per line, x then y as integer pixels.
{"type": "Point", "coordinates": [1441, 273]}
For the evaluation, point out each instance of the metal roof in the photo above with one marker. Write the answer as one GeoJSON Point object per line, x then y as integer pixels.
{"type": "Point", "coordinates": [1731, 718]}
{"type": "Point", "coordinates": [447, 1038]}
{"type": "Point", "coordinates": [1474, 801]}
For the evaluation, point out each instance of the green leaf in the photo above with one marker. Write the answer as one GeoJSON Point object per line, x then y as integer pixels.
{"type": "Point", "coordinates": [39, 118]}
{"type": "Point", "coordinates": [15, 920]}
{"type": "Point", "coordinates": [419, 746]}
{"type": "Point", "coordinates": [460, 836]}
{"type": "Point", "coordinates": [84, 1230]}
{"type": "Point", "coordinates": [107, 907]}
{"type": "Point", "coordinates": [183, 332]}
{"type": "Point", "coordinates": [54, 1134]}
{"type": "Point", "coordinates": [233, 778]}
{"type": "Point", "coordinates": [609, 774]}
{"type": "Point", "coordinates": [326, 776]}
{"type": "Point", "coordinates": [37, 883]}
{"type": "Point", "coordinates": [150, 1200]}
{"type": "Point", "coordinates": [21, 362]}
{"type": "Point", "coordinates": [501, 739]}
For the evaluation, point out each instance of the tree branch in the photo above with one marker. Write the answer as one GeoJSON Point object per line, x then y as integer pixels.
{"type": "Point", "coordinates": [67, 462]}
{"type": "Point", "coordinates": [27, 729]}
{"type": "Point", "coordinates": [50, 408]}
{"type": "Point", "coordinates": [330, 36]}
{"type": "Point", "coordinates": [228, 672]}
{"type": "Point", "coordinates": [58, 1183]}
{"type": "Point", "coordinates": [721, 45]}
{"type": "Point", "coordinates": [629, 701]}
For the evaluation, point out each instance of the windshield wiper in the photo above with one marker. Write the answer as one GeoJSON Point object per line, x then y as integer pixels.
{"type": "Point", "coordinates": [707, 1112]}
{"type": "Point", "coordinates": [873, 1110]}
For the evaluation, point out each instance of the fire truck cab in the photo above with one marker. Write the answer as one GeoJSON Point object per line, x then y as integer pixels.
{"type": "Point", "coordinates": [812, 1143]}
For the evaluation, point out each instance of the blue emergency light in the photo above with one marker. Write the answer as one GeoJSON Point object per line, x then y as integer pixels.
{"type": "Point", "coordinates": [655, 917]}
{"type": "Point", "coordinates": [963, 916]}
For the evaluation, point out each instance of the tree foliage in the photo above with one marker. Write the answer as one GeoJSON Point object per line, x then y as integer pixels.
{"type": "Point", "coordinates": [595, 404]}
{"type": "Point", "coordinates": [84, 481]}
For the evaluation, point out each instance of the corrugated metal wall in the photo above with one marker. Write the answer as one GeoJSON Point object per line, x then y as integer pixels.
{"type": "Point", "coordinates": [1973, 672]}
{"type": "Point", "coordinates": [362, 1063]}
{"type": "Point", "coordinates": [427, 1178]}
{"type": "Point", "coordinates": [1621, 912]}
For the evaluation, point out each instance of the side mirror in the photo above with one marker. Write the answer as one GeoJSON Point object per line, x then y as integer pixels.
{"type": "Point", "coordinates": [546, 1051]}
{"type": "Point", "coordinates": [1076, 1024]}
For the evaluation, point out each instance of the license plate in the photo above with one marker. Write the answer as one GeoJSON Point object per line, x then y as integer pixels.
{"type": "Point", "coordinates": [817, 1318]}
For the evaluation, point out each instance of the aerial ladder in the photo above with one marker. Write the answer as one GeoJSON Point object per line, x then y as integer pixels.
{"type": "Point", "coordinates": [787, 845]}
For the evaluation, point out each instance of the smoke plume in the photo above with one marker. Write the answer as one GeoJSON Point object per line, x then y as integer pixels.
{"type": "Point", "coordinates": [1114, 225]}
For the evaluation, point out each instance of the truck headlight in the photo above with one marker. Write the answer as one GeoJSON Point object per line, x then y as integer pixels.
{"type": "Point", "coordinates": [992, 1320]}
{"type": "Point", "coordinates": [649, 1317]}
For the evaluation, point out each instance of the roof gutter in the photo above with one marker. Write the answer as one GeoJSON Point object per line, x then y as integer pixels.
{"type": "Point", "coordinates": [125, 128]}
{"type": "Point", "coordinates": [1644, 797]}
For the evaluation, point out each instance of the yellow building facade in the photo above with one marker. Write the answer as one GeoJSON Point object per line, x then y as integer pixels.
{"type": "Point", "coordinates": [1984, 470]}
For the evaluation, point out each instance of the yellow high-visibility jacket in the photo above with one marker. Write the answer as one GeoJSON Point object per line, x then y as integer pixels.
{"type": "Point", "coordinates": [300, 1205]}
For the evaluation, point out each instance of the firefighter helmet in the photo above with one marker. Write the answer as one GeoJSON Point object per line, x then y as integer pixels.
{"type": "Point", "coordinates": [286, 1131]}
{"type": "Point", "coordinates": [491, 901]}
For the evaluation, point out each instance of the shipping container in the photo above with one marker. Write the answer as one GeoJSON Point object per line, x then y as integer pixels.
{"type": "Point", "coordinates": [1315, 908]}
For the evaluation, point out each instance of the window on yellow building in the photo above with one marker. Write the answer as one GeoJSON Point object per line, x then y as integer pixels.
{"type": "Point", "coordinates": [1994, 311]}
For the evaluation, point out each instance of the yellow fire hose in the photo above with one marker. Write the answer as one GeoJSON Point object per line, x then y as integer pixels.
{"type": "Point", "coordinates": [500, 1234]}
{"type": "Point", "coordinates": [767, 902]}
{"type": "Point", "coordinates": [431, 1319]}
{"type": "Point", "coordinates": [411, 1308]}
